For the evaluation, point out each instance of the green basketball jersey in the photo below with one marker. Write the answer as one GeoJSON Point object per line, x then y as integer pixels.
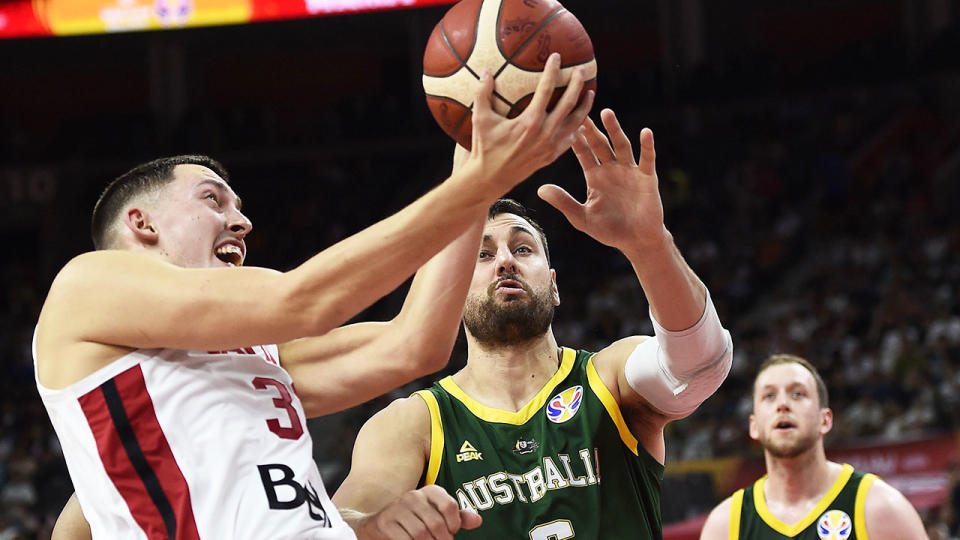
{"type": "Point", "coordinates": [565, 466]}
{"type": "Point", "coordinates": [838, 515]}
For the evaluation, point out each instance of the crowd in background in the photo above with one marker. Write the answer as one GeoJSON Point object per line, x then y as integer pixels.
{"type": "Point", "coordinates": [822, 221]}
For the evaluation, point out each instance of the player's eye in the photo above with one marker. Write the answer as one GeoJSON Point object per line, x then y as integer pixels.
{"type": "Point", "coordinates": [524, 249]}
{"type": "Point", "coordinates": [484, 255]}
{"type": "Point", "coordinates": [212, 196]}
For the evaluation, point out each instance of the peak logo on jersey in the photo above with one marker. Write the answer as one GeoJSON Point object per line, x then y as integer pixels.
{"type": "Point", "coordinates": [525, 446]}
{"type": "Point", "coordinates": [468, 453]}
{"type": "Point", "coordinates": [565, 404]}
{"type": "Point", "coordinates": [834, 525]}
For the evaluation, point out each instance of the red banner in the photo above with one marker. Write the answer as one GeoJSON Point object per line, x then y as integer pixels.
{"type": "Point", "coordinates": [917, 468]}
{"type": "Point", "coordinates": [17, 19]}
{"type": "Point", "coordinates": [28, 18]}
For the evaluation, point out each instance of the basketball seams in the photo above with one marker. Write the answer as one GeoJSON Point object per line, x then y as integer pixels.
{"type": "Point", "coordinates": [463, 63]}
{"type": "Point", "coordinates": [498, 26]}
{"type": "Point", "coordinates": [563, 68]}
{"type": "Point", "coordinates": [458, 86]}
{"type": "Point", "coordinates": [517, 81]}
{"type": "Point", "coordinates": [467, 114]}
{"type": "Point", "coordinates": [486, 52]}
{"type": "Point", "coordinates": [546, 21]}
{"type": "Point", "coordinates": [502, 98]}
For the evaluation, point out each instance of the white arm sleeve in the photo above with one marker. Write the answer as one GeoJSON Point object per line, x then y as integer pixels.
{"type": "Point", "coordinates": [676, 371]}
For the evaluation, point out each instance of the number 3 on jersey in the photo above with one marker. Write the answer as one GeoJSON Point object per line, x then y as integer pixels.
{"type": "Point", "coordinates": [560, 529]}
{"type": "Point", "coordinates": [284, 402]}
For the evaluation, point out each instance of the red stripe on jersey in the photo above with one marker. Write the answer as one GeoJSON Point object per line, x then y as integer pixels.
{"type": "Point", "coordinates": [137, 456]}
{"type": "Point", "coordinates": [270, 358]}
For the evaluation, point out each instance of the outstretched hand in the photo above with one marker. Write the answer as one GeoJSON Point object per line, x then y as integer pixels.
{"type": "Point", "coordinates": [623, 207]}
{"type": "Point", "coordinates": [428, 513]}
{"type": "Point", "coordinates": [510, 150]}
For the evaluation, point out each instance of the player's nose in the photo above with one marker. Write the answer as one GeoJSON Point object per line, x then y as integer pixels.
{"type": "Point", "coordinates": [239, 224]}
{"type": "Point", "coordinates": [506, 263]}
{"type": "Point", "coordinates": [783, 404]}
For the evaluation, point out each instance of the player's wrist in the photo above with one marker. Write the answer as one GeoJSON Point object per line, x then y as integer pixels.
{"type": "Point", "coordinates": [645, 244]}
{"type": "Point", "coordinates": [364, 525]}
{"type": "Point", "coordinates": [483, 181]}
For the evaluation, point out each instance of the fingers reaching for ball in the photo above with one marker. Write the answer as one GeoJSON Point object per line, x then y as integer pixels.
{"type": "Point", "coordinates": [513, 148]}
{"type": "Point", "coordinates": [572, 109]}
{"type": "Point", "coordinates": [549, 80]}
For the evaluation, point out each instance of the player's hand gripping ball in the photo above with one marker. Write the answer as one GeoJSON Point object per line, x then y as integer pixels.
{"type": "Point", "coordinates": [512, 39]}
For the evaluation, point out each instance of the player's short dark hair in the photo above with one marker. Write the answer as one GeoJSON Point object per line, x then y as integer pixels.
{"type": "Point", "coordinates": [510, 206]}
{"type": "Point", "coordinates": [778, 359]}
{"type": "Point", "coordinates": [138, 180]}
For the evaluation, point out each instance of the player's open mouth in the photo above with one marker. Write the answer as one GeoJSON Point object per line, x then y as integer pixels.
{"type": "Point", "coordinates": [785, 425]}
{"type": "Point", "coordinates": [231, 254]}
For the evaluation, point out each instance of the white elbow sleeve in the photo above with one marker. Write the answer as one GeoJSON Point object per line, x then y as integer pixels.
{"type": "Point", "coordinates": [676, 371]}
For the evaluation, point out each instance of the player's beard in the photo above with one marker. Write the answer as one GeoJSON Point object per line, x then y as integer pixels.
{"type": "Point", "coordinates": [789, 448]}
{"type": "Point", "coordinates": [511, 319]}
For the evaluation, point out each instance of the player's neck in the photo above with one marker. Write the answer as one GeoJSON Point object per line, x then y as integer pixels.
{"type": "Point", "coordinates": [795, 480]}
{"type": "Point", "coordinates": [507, 377]}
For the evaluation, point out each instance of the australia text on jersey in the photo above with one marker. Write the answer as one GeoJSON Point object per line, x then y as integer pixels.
{"type": "Point", "coordinates": [551, 474]}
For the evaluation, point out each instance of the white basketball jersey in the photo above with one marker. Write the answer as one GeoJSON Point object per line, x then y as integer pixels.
{"type": "Point", "coordinates": [176, 444]}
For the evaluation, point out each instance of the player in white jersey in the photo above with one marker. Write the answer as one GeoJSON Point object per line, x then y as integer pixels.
{"type": "Point", "coordinates": [143, 439]}
{"type": "Point", "coordinates": [176, 421]}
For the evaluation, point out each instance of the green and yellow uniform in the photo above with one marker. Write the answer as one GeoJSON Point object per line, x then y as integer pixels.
{"type": "Point", "coordinates": [838, 515]}
{"type": "Point", "coordinates": [565, 466]}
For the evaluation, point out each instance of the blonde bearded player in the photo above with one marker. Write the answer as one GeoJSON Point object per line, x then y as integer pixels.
{"type": "Point", "coordinates": [804, 495]}
{"type": "Point", "coordinates": [174, 420]}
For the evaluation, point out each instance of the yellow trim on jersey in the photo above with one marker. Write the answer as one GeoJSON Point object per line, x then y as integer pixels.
{"type": "Point", "coordinates": [859, 514]}
{"type": "Point", "coordinates": [736, 508]}
{"type": "Point", "coordinates": [489, 414]}
{"type": "Point", "coordinates": [792, 530]}
{"type": "Point", "coordinates": [610, 404]}
{"type": "Point", "coordinates": [436, 436]}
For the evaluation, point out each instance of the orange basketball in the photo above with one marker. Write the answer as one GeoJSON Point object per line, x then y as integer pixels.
{"type": "Point", "coordinates": [511, 38]}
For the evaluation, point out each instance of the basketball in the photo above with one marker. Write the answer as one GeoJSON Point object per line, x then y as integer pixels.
{"type": "Point", "coordinates": [512, 39]}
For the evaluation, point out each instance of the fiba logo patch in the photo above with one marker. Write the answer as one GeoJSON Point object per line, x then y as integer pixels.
{"type": "Point", "coordinates": [834, 525]}
{"type": "Point", "coordinates": [565, 404]}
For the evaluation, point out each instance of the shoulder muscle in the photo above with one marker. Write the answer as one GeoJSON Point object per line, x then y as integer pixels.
{"type": "Point", "coordinates": [717, 526]}
{"type": "Point", "coordinates": [890, 515]}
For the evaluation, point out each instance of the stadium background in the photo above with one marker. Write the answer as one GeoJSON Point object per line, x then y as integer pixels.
{"type": "Point", "coordinates": [809, 156]}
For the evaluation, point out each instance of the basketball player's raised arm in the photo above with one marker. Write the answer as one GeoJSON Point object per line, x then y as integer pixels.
{"type": "Point", "coordinates": [379, 498]}
{"type": "Point", "coordinates": [691, 354]}
{"type": "Point", "coordinates": [354, 363]}
{"type": "Point", "coordinates": [135, 300]}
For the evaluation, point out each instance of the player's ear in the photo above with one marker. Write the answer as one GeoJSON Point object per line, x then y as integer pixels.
{"type": "Point", "coordinates": [137, 220]}
{"type": "Point", "coordinates": [826, 420]}
{"type": "Point", "coordinates": [754, 432]}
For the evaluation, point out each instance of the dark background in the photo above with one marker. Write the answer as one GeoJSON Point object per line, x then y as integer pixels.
{"type": "Point", "coordinates": [808, 154]}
